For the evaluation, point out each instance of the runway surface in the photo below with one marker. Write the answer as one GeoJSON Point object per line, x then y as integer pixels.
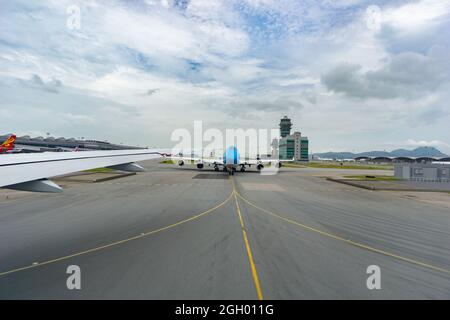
{"type": "Point", "coordinates": [180, 233]}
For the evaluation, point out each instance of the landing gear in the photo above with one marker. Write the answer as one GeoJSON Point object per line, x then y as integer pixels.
{"type": "Point", "coordinates": [242, 168]}
{"type": "Point", "coordinates": [216, 168]}
{"type": "Point", "coordinates": [230, 170]}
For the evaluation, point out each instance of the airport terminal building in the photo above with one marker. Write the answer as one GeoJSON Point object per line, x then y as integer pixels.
{"type": "Point", "coordinates": [41, 144]}
{"type": "Point", "coordinates": [423, 172]}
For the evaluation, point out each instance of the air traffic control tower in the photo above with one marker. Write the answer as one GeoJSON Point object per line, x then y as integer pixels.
{"type": "Point", "coordinates": [285, 127]}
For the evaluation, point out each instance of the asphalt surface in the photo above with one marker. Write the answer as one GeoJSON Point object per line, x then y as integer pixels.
{"type": "Point", "coordinates": [180, 233]}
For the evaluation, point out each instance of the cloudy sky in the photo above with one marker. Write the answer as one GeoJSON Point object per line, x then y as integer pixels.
{"type": "Point", "coordinates": [353, 75]}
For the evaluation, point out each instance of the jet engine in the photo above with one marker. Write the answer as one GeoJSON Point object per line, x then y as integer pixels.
{"type": "Point", "coordinates": [199, 165]}
{"type": "Point", "coordinates": [181, 163]}
{"type": "Point", "coordinates": [259, 167]}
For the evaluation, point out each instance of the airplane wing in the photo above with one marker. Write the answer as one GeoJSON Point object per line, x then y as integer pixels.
{"type": "Point", "coordinates": [200, 160]}
{"type": "Point", "coordinates": [276, 160]}
{"type": "Point", "coordinates": [262, 161]}
{"type": "Point", "coordinates": [30, 171]}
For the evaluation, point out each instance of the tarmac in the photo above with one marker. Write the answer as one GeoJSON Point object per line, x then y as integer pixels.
{"type": "Point", "coordinates": [181, 233]}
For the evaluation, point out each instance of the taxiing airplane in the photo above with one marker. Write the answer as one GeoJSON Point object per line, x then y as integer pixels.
{"type": "Point", "coordinates": [230, 161]}
{"type": "Point", "coordinates": [31, 171]}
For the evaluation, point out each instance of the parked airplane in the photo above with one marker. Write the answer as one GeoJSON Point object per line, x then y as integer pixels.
{"type": "Point", "coordinates": [8, 145]}
{"type": "Point", "coordinates": [230, 161]}
{"type": "Point", "coordinates": [11, 146]}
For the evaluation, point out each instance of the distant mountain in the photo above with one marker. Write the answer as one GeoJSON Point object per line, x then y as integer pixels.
{"type": "Point", "coordinates": [418, 152]}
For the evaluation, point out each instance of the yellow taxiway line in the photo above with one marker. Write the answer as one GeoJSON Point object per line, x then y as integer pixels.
{"type": "Point", "coordinates": [338, 238]}
{"type": "Point", "coordinates": [247, 246]}
{"type": "Point", "coordinates": [142, 235]}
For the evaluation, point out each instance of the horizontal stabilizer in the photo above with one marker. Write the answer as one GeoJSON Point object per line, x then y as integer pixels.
{"type": "Point", "coordinates": [37, 186]}
{"type": "Point", "coordinates": [129, 167]}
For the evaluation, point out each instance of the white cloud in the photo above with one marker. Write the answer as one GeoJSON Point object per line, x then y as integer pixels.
{"type": "Point", "coordinates": [167, 33]}
{"type": "Point", "coordinates": [231, 64]}
{"type": "Point", "coordinates": [407, 75]}
{"type": "Point", "coordinates": [416, 15]}
{"type": "Point", "coordinates": [425, 143]}
{"type": "Point", "coordinates": [76, 119]}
